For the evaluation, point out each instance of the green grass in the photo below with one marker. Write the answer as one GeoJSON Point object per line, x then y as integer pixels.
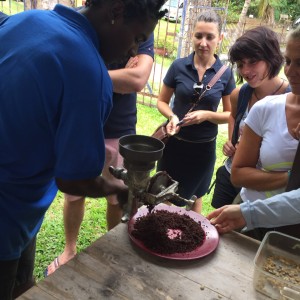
{"type": "Point", "coordinates": [50, 241]}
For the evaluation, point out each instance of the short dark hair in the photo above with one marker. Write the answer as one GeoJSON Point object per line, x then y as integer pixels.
{"type": "Point", "coordinates": [137, 9]}
{"type": "Point", "coordinates": [259, 43]}
{"type": "Point", "coordinates": [210, 16]}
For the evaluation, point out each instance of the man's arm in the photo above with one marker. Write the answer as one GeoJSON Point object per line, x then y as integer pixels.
{"type": "Point", "coordinates": [95, 188]}
{"type": "Point", "coordinates": [132, 79]}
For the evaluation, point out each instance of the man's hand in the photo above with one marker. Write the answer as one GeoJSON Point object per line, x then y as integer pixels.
{"type": "Point", "coordinates": [227, 218]}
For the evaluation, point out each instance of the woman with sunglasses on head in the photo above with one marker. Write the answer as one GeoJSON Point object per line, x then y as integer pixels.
{"type": "Point", "coordinates": [258, 58]}
{"type": "Point", "coordinates": [271, 135]}
{"type": "Point", "coordinates": [190, 154]}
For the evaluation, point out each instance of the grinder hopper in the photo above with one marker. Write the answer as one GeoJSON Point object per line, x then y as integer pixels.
{"type": "Point", "coordinates": [140, 153]}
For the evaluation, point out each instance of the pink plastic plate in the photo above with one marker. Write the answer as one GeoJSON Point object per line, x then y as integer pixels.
{"type": "Point", "coordinates": [209, 245]}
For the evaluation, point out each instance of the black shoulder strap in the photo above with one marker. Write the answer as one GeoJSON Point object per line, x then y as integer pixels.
{"type": "Point", "coordinates": [243, 100]}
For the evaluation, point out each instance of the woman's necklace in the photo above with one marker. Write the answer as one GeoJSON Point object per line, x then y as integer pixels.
{"type": "Point", "coordinates": [275, 92]}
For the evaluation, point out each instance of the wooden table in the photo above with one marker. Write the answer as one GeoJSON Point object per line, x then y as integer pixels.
{"type": "Point", "coordinates": [114, 268]}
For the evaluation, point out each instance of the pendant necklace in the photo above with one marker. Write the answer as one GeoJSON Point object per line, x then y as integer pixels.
{"type": "Point", "coordinates": [278, 89]}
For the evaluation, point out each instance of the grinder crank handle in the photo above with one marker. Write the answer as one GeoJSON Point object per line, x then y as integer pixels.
{"type": "Point", "coordinates": [189, 203]}
{"type": "Point", "coordinates": [171, 197]}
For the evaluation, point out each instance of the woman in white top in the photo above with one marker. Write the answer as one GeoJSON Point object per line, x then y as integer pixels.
{"type": "Point", "coordinates": [260, 69]}
{"type": "Point", "coordinates": [282, 209]}
{"type": "Point", "coordinates": [267, 148]}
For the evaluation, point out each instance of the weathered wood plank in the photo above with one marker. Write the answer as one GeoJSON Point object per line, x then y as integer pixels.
{"type": "Point", "coordinates": [228, 270]}
{"type": "Point", "coordinates": [113, 268]}
{"type": "Point", "coordinates": [113, 275]}
{"type": "Point", "coordinates": [35, 293]}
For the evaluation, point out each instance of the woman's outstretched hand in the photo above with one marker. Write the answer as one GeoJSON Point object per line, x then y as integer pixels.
{"type": "Point", "coordinates": [227, 218]}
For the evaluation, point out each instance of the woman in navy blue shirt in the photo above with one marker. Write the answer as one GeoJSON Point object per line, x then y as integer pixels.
{"type": "Point", "coordinates": [189, 156]}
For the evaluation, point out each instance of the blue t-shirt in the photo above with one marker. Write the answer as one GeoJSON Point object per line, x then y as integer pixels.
{"type": "Point", "coordinates": [181, 76]}
{"type": "Point", "coordinates": [54, 100]}
{"type": "Point", "coordinates": [123, 117]}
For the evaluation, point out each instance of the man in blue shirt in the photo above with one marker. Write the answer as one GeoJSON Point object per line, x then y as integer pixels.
{"type": "Point", "coordinates": [53, 106]}
{"type": "Point", "coordinates": [127, 80]}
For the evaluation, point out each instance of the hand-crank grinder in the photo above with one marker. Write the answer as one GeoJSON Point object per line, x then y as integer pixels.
{"type": "Point", "coordinates": [140, 153]}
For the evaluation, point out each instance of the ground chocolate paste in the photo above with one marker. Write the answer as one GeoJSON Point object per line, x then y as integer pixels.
{"type": "Point", "coordinates": [167, 232]}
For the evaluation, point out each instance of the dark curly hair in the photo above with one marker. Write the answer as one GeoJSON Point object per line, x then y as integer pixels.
{"type": "Point", "coordinates": [137, 9]}
{"type": "Point", "coordinates": [259, 43]}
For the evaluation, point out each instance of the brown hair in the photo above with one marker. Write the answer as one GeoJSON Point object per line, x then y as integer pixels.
{"type": "Point", "coordinates": [260, 43]}
{"type": "Point", "coordinates": [209, 16]}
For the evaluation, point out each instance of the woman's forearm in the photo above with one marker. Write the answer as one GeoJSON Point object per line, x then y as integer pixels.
{"type": "Point", "coordinates": [259, 180]}
{"type": "Point", "coordinates": [218, 117]}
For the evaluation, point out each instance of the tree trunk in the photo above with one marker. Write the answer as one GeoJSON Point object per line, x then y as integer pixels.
{"type": "Point", "coordinates": [268, 16]}
{"type": "Point", "coordinates": [240, 24]}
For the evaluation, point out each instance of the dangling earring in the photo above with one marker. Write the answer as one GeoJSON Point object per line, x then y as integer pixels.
{"type": "Point", "coordinates": [112, 22]}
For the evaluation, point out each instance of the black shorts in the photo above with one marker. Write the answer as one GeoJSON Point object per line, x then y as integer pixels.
{"type": "Point", "coordinates": [224, 192]}
{"type": "Point", "coordinates": [16, 276]}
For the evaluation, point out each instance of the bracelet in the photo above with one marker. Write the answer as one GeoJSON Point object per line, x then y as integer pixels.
{"type": "Point", "coordinates": [171, 116]}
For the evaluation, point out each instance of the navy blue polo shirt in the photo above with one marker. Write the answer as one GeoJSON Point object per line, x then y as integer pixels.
{"type": "Point", "coordinates": [3, 17]}
{"type": "Point", "coordinates": [181, 76]}
{"type": "Point", "coordinates": [123, 117]}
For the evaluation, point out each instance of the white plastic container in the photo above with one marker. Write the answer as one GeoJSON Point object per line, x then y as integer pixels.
{"type": "Point", "coordinates": [277, 267]}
